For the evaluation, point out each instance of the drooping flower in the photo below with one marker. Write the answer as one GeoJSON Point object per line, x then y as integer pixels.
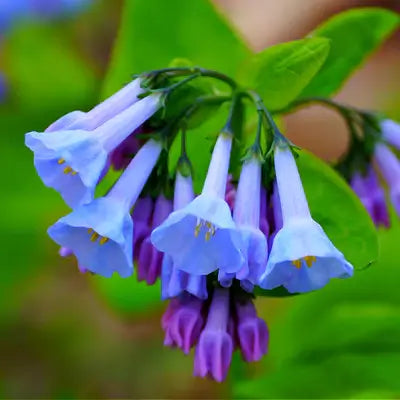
{"type": "Point", "coordinates": [372, 196]}
{"type": "Point", "coordinates": [246, 215]}
{"type": "Point", "coordinates": [214, 349]}
{"type": "Point", "coordinates": [252, 331]}
{"type": "Point", "coordinates": [302, 257]}
{"type": "Point", "coordinates": [174, 281]}
{"type": "Point", "coordinates": [150, 259]}
{"type": "Point", "coordinates": [391, 132]}
{"type": "Point", "coordinates": [71, 161]}
{"type": "Point", "coordinates": [275, 215]}
{"type": "Point", "coordinates": [100, 233]}
{"type": "Point", "coordinates": [389, 166]}
{"type": "Point", "coordinates": [202, 236]}
{"type": "Point", "coordinates": [182, 322]}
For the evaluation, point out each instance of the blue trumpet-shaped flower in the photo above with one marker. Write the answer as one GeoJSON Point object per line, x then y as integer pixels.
{"type": "Point", "coordinates": [202, 236]}
{"type": "Point", "coordinates": [100, 233]}
{"type": "Point", "coordinates": [391, 132]}
{"type": "Point", "coordinates": [174, 281]}
{"type": "Point", "coordinates": [72, 160]}
{"type": "Point", "coordinates": [302, 257]}
{"type": "Point", "coordinates": [246, 214]}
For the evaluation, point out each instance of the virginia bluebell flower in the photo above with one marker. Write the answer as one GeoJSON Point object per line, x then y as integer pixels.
{"type": "Point", "coordinates": [389, 166]}
{"type": "Point", "coordinates": [202, 236]}
{"type": "Point", "coordinates": [391, 132]}
{"type": "Point", "coordinates": [100, 233]}
{"type": "Point", "coordinates": [174, 281]}
{"type": "Point", "coordinates": [246, 214]}
{"type": "Point", "coordinates": [214, 349]}
{"type": "Point", "coordinates": [252, 331]}
{"type": "Point", "coordinates": [182, 322]}
{"type": "Point", "coordinates": [372, 195]}
{"type": "Point", "coordinates": [150, 259]}
{"type": "Point", "coordinates": [71, 161]}
{"type": "Point", "coordinates": [302, 257]}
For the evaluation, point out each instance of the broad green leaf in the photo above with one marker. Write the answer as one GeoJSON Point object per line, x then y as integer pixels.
{"type": "Point", "coordinates": [280, 73]}
{"type": "Point", "coordinates": [154, 32]}
{"type": "Point", "coordinates": [127, 295]}
{"type": "Point", "coordinates": [339, 211]}
{"type": "Point", "coordinates": [45, 71]}
{"type": "Point", "coordinates": [354, 35]}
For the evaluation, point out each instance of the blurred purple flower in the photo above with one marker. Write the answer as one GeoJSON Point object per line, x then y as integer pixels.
{"type": "Point", "coordinates": [372, 196]}
{"type": "Point", "coordinates": [391, 132]}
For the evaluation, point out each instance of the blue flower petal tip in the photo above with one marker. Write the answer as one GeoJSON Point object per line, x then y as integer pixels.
{"type": "Point", "coordinates": [100, 234]}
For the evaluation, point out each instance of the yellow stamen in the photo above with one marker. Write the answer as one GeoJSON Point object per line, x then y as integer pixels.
{"type": "Point", "coordinates": [297, 263]}
{"type": "Point", "coordinates": [310, 260]}
{"type": "Point", "coordinates": [208, 225]}
{"type": "Point", "coordinates": [94, 237]}
{"type": "Point", "coordinates": [90, 230]}
{"type": "Point", "coordinates": [208, 236]}
{"type": "Point", "coordinates": [74, 173]}
{"type": "Point", "coordinates": [67, 170]}
{"type": "Point", "coordinates": [61, 161]}
{"type": "Point", "coordinates": [197, 230]}
{"type": "Point", "coordinates": [103, 240]}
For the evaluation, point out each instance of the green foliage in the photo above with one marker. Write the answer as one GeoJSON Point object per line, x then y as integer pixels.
{"type": "Point", "coordinates": [354, 34]}
{"type": "Point", "coordinates": [280, 73]}
{"type": "Point", "coordinates": [154, 32]}
{"type": "Point", "coordinates": [45, 71]}
{"type": "Point", "coordinates": [340, 342]}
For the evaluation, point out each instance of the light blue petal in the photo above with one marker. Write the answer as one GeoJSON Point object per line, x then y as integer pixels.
{"type": "Point", "coordinates": [109, 219]}
{"type": "Point", "coordinates": [296, 240]}
{"type": "Point", "coordinates": [80, 150]}
{"type": "Point", "coordinates": [176, 237]}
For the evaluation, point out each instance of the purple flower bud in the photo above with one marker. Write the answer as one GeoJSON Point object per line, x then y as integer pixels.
{"type": "Point", "coordinates": [215, 347]}
{"type": "Point", "coordinates": [302, 257]}
{"type": "Point", "coordinates": [391, 132]}
{"type": "Point", "coordinates": [389, 166]}
{"type": "Point", "coordinates": [372, 196]}
{"type": "Point", "coordinates": [202, 236]}
{"type": "Point", "coordinates": [252, 332]}
{"type": "Point", "coordinates": [150, 259]}
{"type": "Point", "coordinates": [72, 160]}
{"type": "Point", "coordinates": [183, 323]}
{"type": "Point", "coordinates": [141, 217]}
{"type": "Point", "coordinates": [100, 233]}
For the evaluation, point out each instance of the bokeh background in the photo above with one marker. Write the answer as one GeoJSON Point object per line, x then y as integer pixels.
{"type": "Point", "coordinates": [69, 335]}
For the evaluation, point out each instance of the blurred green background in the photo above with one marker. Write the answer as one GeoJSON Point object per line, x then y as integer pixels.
{"type": "Point", "coordinates": [68, 335]}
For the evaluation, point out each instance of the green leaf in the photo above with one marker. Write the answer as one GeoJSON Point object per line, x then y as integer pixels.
{"type": "Point", "coordinates": [354, 35]}
{"type": "Point", "coordinates": [45, 71]}
{"type": "Point", "coordinates": [154, 32]}
{"type": "Point", "coordinates": [339, 211]}
{"type": "Point", "coordinates": [280, 73]}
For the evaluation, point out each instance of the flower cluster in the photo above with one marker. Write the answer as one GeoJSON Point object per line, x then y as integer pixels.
{"type": "Point", "coordinates": [210, 249]}
{"type": "Point", "coordinates": [368, 187]}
